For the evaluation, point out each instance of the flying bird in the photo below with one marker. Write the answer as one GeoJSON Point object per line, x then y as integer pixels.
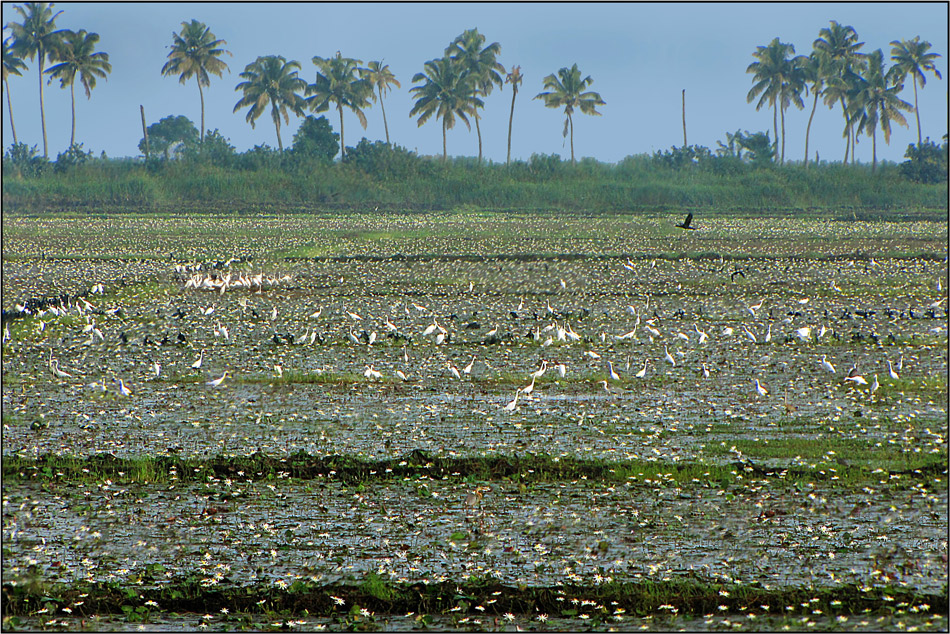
{"type": "Point", "coordinates": [685, 223]}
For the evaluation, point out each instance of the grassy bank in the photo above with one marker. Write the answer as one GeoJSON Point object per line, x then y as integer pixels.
{"type": "Point", "coordinates": [544, 183]}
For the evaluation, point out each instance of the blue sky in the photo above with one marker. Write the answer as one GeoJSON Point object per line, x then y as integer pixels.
{"type": "Point", "coordinates": [640, 56]}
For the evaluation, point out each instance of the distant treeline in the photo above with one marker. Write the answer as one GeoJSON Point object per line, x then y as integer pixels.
{"type": "Point", "coordinates": [387, 178]}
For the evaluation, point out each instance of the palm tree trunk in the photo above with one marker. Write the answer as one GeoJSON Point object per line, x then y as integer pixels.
{"type": "Point", "coordinates": [6, 85]}
{"type": "Point", "coordinates": [201, 137]}
{"type": "Point", "coordinates": [342, 144]}
{"type": "Point", "coordinates": [511, 117]}
{"type": "Point", "coordinates": [916, 110]}
{"type": "Point", "coordinates": [72, 96]}
{"type": "Point", "coordinates": [571, 122]}
{"type": "Point", "coordinates": [874, 150]}
{"type": "Point", "coordinates": [383, 108]}
{"type": "Point", "coordinates": [808, 129]}
{"type": "Point", "coordinates": [445, 151]}
{"type": "Point", "coordinates": [478, 129]}
{"type": "Point", "coordinates": [847, 130]}
{"type": "Point", "coordinates": [280, 146]}
{"type": "Point", "coordinates": [41, 55]}
{"type": "Point", "coordinates": [775, 122]}
{"type": "Point", "coordinates": [782, 160]}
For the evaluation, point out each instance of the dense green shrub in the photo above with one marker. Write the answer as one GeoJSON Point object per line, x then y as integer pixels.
{"type": "Point", "coordinates": [927, 162]}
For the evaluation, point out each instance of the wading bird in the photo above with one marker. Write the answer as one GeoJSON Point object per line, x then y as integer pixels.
{"type": "Point", "coordinates": [642, 373]}
{"type": "Point", "coordinates": [197, 364]}
{"type": "Point", "coordinates": [760, 389]}
{"type": "Point", "coordinates": [827, 364]}
{"type": "Point", "coordinates": [512, 404]}
{"type": "Point", "coordinates": [218, 381]}
{"type": "Point", "coordinates": [891, 372]}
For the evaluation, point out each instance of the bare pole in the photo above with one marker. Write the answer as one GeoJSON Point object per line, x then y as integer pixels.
{"type": "Point", "coordinates": [144, 131]}
{"type": "Point", "coordinates": [684, 118]}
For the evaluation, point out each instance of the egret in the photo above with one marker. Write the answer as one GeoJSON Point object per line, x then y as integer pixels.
{"type": "Point", "coordinates": [755, 307]}
{"type": "Point", "coordinates": [668, 357]}
{"type": "Point", "coordinates": [561, 369]}
{"type": "Point", "coordinates": [54, 366]}
{"type": "Point", "coordinates": [891, 372]}
{"type": "Point", "coordinates": [315, 314]}
{"type": "Point", "coordinates": [156, 368]}
{"type": "Point", "coordinates": [610, 371]}
{"type": "Point", "coordinates": [605, 385]}
{"type": "Point", "coordinates": [279, 370]}
{"type": "Point", "coordinates": [352, 316]}
{"type": "Point", "coordinates": [353, 338]}
{"type": "Point", "coordinates": [454, 370]}
{"type": "Point", "coordinates": [123, 390]}
{"type": "Point", "coordinates": [218, 381]}
{"type": "Point", "coordinates": [874, 385]}
{"type": "Point", "coordinates": [371, 373]}
{"type": "Point", "coordinates": [827, 364]}
{"type": "Point", "coordinates": [760, 389]}
{"type": "Point", "coordinates": [749, 334]}
{"type": "Point", "coordinates": [197, 364]}
{"type": "Point", "coordinates": [592, 354]}
{"type": "Point", "coordinates": [401, 375]}
{"type": "Point", "coordinates": [642, 373]}
{"type": "Point", "coordinates": [440, 339]}
{"type": "Point", "coordinates": [768, 334]}
{"type": "Point", "coordinates": [803, 333]}
{"type": "Point", "coordinates": [530, 387]}
{"type": "Point", "coordinates": [471, 364]}
{"type": "Point", "coordinates": [512, 404]}
{"type": "Point", "coordinates": [702, 335]}
{"type": "Point", "coordinates": [540, 371]}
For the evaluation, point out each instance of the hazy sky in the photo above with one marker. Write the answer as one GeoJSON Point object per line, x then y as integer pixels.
{"type": "Point", "coordinates": [640, 56]}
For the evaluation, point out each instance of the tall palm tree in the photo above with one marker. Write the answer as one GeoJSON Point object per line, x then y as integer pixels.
{"type": "Point", "coordinates": [272, 80]}
{"type": "Point", "coordinates": [381, 78]}
{"type": "Point", "coordinates": [11, 66]}
{"type": "Point", "coordinates": [841, 45]}
{"type": "Point", "coordinates": [566, 89]}
{"type": "Point", "coordinates": [445, 93]}
{"type": "Point", "coordinates": [36, 37]}
{"type": "Point", "coordinates": [813, 73]}
{"type": "Point", "coordinates": [480, 62]}
{"type": "Point", "coordinates": [911, 57]}
{"type": "Point", "coordinates": [195, 53]}
{"type": "Point", "coordinates": [76, 56]}
{"type": "Point", "coordinates": [779, 79]}
{"type": "Point", "coordinates": [876, 101]}
{"type": "Point", "coordinates": [339, 81]}
{"type": "Point", "coordinates": [514, 78]}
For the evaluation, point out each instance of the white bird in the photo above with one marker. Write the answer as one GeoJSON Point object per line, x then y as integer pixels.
{"type": "Point", "coordinates": [592, 354]}
{"type": "Point", "coordinates": [857, 379]}
{"type": "Point", "coordinates": [316, 314]}
{"type": "Point", "coordinates": [223, 331]}
{"type": "Point", "coordinates": [491, 333]}
{"type": "Point", "coordinates": [371, 373]}
{"type": "Point", "coordinates": [749, 334]}
{"type": "Point", "coordinates": [537, 374]}
{"type": "Point", "coordinates": [512, 404]}
{"type": "Point", "coordinates": [156, 368]}
{"type": "Point", "coordinates": [611, 373]}
{"type": "Point", "coordinates": [874, 385]}
{"type": "Point", "coordinates": [54, 366]}
{"type": "Point", "coordinates": [755, 307]}
{"type": "Point", "coordinates": [668, 357]}
{"type": "Point", "coordinates": [827, 364]}
{"type": "Point", "coordinates": [353, 316]}
{"type": "Point", "coordinates": [431, 328]}
{"type": "Point", "coordinates": [642, 373]}
{"type": "Point", "coordinates": [401, 375]}
{"type": "Point", "coordinates": [372, 337]}
{"type": "Point", "coordinates": [218, 381]}
{"type": "Point", "coordinates": [530, 387]}
{"type": "Point", "coordinates": [273, 313]}
{"type": "Point", "coordinates": [197, 364]}
{"type": "Point", "coordinates": [900, 363]}
{"type": "Point", "coordinates": [279, 370]}
{"type": "Point", "coordinates": [561, 369]}
{"type": "Point", "coordinates": [768, 334]}
{"type": "Point", "coordinates": [702, 335]}
{"type": "Point", "coordinates": [390, 326]}
{"type": "Point", "coordinates": [454, 370]}
{"type": "Point", "coordinates": [760, 389]}
{"type": "Point", "coordinates": [682, 336]}
{"type": "Point", "coordinates": [891, 372]}
{"type": "Point", "coordinates": [803, 333]}
{"type": "Point", "coordinates": [471, 364]}
{"type": "Point", "coordinates": [123, 390]}
{"type": "Point", "coordinates": [705, 372]}
{"type": "Point", "coordinates": [605, 385]}
{"type": "Point", "coordinates": [6, 333]}
{"type": "Point", "coordinates": [728, 331]}
{"type": "Point", "coordinates": [440, 339]}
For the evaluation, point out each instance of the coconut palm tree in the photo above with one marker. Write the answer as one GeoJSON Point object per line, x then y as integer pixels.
{"type": "Point", "coordinates": [195, 53]}
{"type": "Point", "coordinates": [514, 78]}
{"type": "Point", "coordinates": [36, 37]}
{"type": "Point", "coordinates": [446, 92]}
{"type": "Point", "coordinates": [911, 57]}
{"type": "Point", "coordinates": [76, 56]}
{"type": "Point", "coordinates": [11, 66]}
{"type": "Point", "coordinates": [779, 79]}
{"type": "Point", "coordinates": [876, 101]}
{"type": "Point", "coordinates": [339, 82]}
{"type": "Point", "coordinates": [272, 80]}
{"type": "Point", "coordinates": [480, 62]}
{"type": "Point", "coordinates": [565, 89]}
{"type": "Point", "coordinates": [840, 44]}
{"type": "Point", "coordinates": [813, 73]}
{"type": "Point", "coordinates": [381, 78]}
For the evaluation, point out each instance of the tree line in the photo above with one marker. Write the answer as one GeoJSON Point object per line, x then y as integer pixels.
{"type": "Point", "coordinates": [452, 87]}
